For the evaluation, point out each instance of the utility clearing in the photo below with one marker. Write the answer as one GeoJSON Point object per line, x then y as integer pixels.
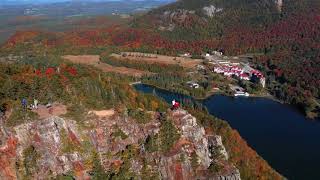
{"type": "Point", "coordinates": [160, 59]}
{"type": "Point", "coordinates": [94, 60]}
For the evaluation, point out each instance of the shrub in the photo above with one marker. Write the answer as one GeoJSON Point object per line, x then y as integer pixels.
{"type": "Point", "coordinates": [20, 116]}
{"type": "Point", "coordinates": [168, 136]}
{"type": "Point", "coordinates": [119, 133]}
{"type": "Point", "coordinates": [31, 157]}
{"type": "Point", "coordinates": [140, 116]}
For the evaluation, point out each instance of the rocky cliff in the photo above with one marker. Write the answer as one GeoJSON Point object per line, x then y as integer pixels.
{"type": "Point", "coordinates": [192, 16]}
{"type": "Point", "coordinates": [61, 146]}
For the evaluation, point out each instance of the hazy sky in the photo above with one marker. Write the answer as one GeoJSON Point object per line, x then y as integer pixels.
{"type": "Point", "coordinates": [13, 2]}
{"type": "Point", "coordinates": [56, 0]}
{"type": "Point", "coordinates": [41, 1]}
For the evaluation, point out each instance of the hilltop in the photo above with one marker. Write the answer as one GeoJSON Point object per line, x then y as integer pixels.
{"type": "Point", "coordinates": [210, 19]}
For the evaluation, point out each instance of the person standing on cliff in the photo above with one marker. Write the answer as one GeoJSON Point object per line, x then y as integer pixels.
{"type": "Point", "coordinates": [175, 105]}
{"type": "Point", "coordinates": [173, 102]}
{"type": "Point", "coordinates": [24, 104]}
{"type": "Point", "coordinates": [35, 103]}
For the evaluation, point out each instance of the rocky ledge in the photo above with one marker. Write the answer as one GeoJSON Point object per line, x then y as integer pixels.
{"type": "Point", "coordinates": [56, 146]}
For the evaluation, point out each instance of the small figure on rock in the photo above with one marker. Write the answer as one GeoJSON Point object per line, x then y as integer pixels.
{"type": "Point", "coordinates": [175, 105]}
{"type": "Point", "coordinates": [35, 103]}
{"type": "Point", "coordinates": [24, 103]}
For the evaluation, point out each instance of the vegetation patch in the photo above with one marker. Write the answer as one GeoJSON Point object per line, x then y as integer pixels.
{"type": "Point", "coordinates": [142, 65]}
{"type": "Point", "coordinates": [20, 116]}
{"type": "Point", "coordinates": [119, 133]}
{"type": "Point", "coordinates": [140, 116]}
{"type": "Point", "coordinates": [31, 157]}
{"type": "Point", "coordinates": [164, 140]}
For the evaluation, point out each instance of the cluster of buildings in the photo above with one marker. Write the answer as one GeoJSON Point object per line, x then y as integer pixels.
{"type": "Point", "coordinates": [232, 70]}
{"type": "Point", "coordinates": [30, 11]}
{"type": "Point", "coordinates": [257, 73]}
{"type": "Point", "coordinates": [229, 67]}
{"type": "Point", "coordinates": [245, 73]}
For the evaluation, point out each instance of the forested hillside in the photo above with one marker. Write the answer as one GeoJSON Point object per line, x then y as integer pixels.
{"type": "Point", "coordinates": [286, 33]}
{"type": "Point", "coordinates": [194, 20]}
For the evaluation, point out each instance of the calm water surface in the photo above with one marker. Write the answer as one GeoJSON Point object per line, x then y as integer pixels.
{"type": "Point", "coordinates": [279, 133]}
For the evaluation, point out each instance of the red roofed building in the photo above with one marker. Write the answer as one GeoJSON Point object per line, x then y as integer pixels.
{"type": "Point", "coordinates": [244, 76]}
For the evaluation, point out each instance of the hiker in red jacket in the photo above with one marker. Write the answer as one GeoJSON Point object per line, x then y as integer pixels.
{"type": "Point", "coordinates": [175, 105]}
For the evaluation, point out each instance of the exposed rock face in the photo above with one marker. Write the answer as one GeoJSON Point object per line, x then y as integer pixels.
{"type": "Point", "coordinates": [215, 142]}
{"type": "Point", "coordinates": [7, 158]}
{"type": "Point", "coordinates": [8, 146]}
{"type": "Point", "coordinates": [192, 132]}
{"type": "Point", "coordinates": [210, 11]}
{"type": "Point", "coordinates": [180, 17]}
{"type": "Point", "coordinates": [232, 176]}
{"type": "Point", "coordinates": [279, 4]}
{"type": "Point", "coordinates": [64, 145]}
{"type": "Point", "coordinates": [104, 140]}
{"type": "Point", "coordinates": [46, 137]}
{"type": "Point", "coordinates": [195, 140]}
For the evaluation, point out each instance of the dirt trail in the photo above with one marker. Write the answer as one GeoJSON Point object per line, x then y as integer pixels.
{"type": "Point", "coordinates": [55, 110]}
{"type": "Point", "coordinates": [94, 60]}
{"type": "Point", "coordinates": [103, 113]}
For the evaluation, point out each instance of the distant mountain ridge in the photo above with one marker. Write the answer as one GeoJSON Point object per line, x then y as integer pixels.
{"type": "Point", "coordinates": [24, 2]}
{"type": "Point", "coordinates": [213, 18]}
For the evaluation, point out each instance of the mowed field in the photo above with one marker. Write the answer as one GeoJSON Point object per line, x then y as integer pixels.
{"type": "Point", "coordinates": [187, 63]}
{"type": "Point", "coordinates": [94, 60]}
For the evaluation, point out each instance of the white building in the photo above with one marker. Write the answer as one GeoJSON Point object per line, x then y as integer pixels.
{"type": "Point", "coordinates": [192, 84]}
{"type": "Point", "coordinates": [218, 53]}
{"type": "Point", "coordinates": [188, 55]}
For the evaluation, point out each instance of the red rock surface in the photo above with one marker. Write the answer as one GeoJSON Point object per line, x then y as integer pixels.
{"type": "Point", "coordinates": [7, 159]}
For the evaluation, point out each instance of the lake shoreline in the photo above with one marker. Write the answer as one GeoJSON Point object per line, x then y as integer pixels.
{"type": "Point", "coordinates": [265, 124]}
{"type": "Point", "coordinates": [210, 94]}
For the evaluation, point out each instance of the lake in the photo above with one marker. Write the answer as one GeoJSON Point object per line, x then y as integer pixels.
{"type": "Point", "coordinates": [279, 133]}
